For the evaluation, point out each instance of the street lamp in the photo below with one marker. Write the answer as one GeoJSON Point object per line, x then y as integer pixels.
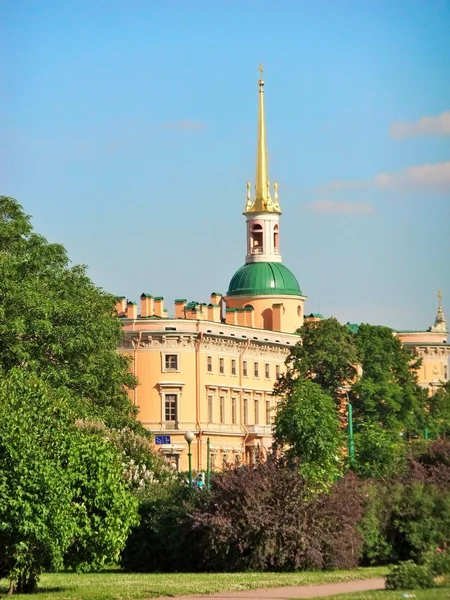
{"type": "Point", "coordinates": [189, 436]}
{"type": "Point", "coordinates": [351, 441]}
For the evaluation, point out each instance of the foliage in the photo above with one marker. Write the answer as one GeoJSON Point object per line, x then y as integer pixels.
{"type": "Point", "coordinates": [263, 519]}
{"type": "Point", "coordinates": [408, 517]}
{"type": "Point", "coordinates": [409, 576]}
{"type": "Point", "coordinates": [159, 543]}
{"type": "Point", "coordinates": [62, 494]}
{"type": "Point", "coordinates": [307, 430]}
{"type": "Point", "coordinates": [387, 392]}
{"type": "Point", "coordinates": [378, 453]}
{"type": "Point", "coordinates": [326, 354]}
{"type": "Point", "coordinates": [438, 416]}
{"type": "Point", "coordinates": [376, 525]}
{"type": "Point", "coordinates": [142, 467]}
{"type": "Point", "coordinates": [56, 322]}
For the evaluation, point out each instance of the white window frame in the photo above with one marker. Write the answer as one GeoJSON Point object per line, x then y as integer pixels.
{"type": "Point", "coordinates": [164, 368]}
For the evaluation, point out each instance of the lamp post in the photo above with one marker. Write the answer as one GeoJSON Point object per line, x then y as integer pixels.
{"type": "Point", "coordinates": [189, 436]}
{"type": "Point", "coordinates": [351, 441]}
{"type": "Point", "coordinates": [208, 464]}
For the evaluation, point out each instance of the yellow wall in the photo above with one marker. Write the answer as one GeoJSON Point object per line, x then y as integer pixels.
{"type": "Point", "coordinates": [292, 311]}
{"type": "Point", "coordinates": [207, 374]}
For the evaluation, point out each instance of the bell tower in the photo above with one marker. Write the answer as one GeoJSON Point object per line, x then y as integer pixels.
{"type": "Point", "coordinates": [262, 212]}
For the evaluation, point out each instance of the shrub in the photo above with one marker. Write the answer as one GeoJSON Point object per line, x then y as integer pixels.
{"type": "Point", "coordinates": [263, 518]}
{"type": "Point", "coordinates": [409, 576]}
{"type": "Point", "coordinates": [159, 543]}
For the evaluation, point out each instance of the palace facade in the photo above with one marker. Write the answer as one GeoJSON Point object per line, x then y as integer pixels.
{"type": "Point", "coordinates": [211, 367]}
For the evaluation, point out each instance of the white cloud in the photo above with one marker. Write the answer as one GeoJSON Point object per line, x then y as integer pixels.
{"type": "Point", "coordinates": [438, 126]}
{"type": "Point", "coordinates": [341, 208]}
{"type": "Point", "coordinates": [428, 178]}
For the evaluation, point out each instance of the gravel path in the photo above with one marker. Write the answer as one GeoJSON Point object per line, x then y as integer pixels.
{"type": "Point", "coordinates": [286, 593]}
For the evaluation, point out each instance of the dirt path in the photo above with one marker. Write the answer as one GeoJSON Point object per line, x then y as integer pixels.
{"type": "Point", "coordinates": [286, 593]}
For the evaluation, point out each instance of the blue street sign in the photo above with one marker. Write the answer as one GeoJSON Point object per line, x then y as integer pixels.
{"type": "Point", "coordinates": [162, 439]}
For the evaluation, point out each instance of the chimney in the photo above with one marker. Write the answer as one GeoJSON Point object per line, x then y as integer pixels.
{"type": "Point", "coordinates": [131, 310]}
{"type": "Point", "coordinates": [158, 303]}
{"type": "Point", "coordinates": [146, 305]}
{"type": "Point", "coordinates": [214, 313]}
{"type": "Point", "coordinates": [180, 304]}
{"type": "Point", "coordinates": [121, 306]}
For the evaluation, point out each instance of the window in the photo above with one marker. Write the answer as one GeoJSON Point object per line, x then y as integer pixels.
{"type": "Point", "coordinates": [173, 460]}
{"type": "Point", "coordinates": [224, 461]}
{"type": "Point", "coordinates": [170, 407]}
{"type": "Point", "coordinates": [256, 412]}
{"type": "Point", "coordinates": [256, 369]}
{"type": "Point", "coordinates": [171, 362]}
{"type": "Point", "coordinates": [213, 461]}
{"type": "Point", "coordinates": [245, 411]}
{"type": "Point", "coordinates": [445, 372]}
{"type": "Point", "coordinates": [233, 366]}
{"type": "Point", "coordinates": [277, 371]}
{"type": "Point", "coordinates": [210, 409]}
{"type": "Point", "coordinates": [222, 409]}
{"type": "Point", "coordinates": [209, 364]}
{"type": "Point", "coordinates": [268, 411]}
{"type": "Point", "coordinates": [244, 368]}
{"type": "Point", "coordinates": [221, 366]}
{"type": "Point", "coordinates": [237, 460]}
{"type": "Point", "coordinates": [233, 411]}
{"type": "Point", "coordinates": [267, 371]}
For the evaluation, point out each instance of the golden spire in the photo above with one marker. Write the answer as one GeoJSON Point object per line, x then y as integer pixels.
{"type": "Point", "coordinates": [262, 202]}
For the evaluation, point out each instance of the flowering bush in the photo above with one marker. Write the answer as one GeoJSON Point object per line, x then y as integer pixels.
{"type": "Point", "coordinates": [142, 465]}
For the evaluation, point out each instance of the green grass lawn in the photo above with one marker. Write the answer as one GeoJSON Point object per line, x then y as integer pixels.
{"type": "Point", "coordinates": [115, 585]}
{"type": "Point", "coordinates": [435, 594]}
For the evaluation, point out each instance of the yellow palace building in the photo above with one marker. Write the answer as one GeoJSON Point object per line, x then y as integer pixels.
{"type": "Point", "coordinates": [210, 368]}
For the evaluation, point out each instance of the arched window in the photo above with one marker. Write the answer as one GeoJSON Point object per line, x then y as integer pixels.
{"type": "Point", "coordinates": [256, 239]}
{"type": "Point", "coordinates": [275, 238]}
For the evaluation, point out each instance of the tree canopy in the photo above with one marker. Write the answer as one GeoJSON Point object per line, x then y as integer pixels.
{"type": "Point", "coordinates": [389, 406]}
{"type": "Point", "coordinates": [56, 322]}
{"type": "Point", "coordinates": [326, 355]}
{"type": "Point", "coordinates": [307, 429]}
{"type": "Point", "coordinates": [387, 392]}
{"type": "Point", "coordinates": [63, 498]}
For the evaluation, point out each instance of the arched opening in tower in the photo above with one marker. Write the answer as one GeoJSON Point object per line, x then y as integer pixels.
{"type": "Point", "coordinates": [257, 239]}
{"type": "Point", "coordinates": [275, 239]}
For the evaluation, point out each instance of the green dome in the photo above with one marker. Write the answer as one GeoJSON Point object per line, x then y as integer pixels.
{"type": "Point", "coordinates": [264, 279]}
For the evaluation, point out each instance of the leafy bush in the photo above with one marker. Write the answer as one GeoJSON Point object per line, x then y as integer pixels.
{"type": "Point", "coordinates": [409, 576]}
{"type": "Point", "coordinates": [159, 543]}
{"type": "Point", "coordinates": [265, 519]}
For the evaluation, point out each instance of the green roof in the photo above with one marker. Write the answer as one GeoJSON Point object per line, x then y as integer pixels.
{"type": "Point", "coordinates": [354, 327]}
{"type": "Point", "coordinates": [264, 279]}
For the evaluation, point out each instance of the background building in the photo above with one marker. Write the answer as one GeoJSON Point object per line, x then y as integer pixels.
{"type": "Point", "coordinates": [211, 367]}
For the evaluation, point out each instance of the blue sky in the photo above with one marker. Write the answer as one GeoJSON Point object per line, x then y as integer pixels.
{"type": "Point", "coordinates": [128, 132]}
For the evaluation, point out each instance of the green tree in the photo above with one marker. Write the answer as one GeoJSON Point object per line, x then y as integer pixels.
{"type": "Point", "coordinates": [326, 354]}
{"type": "Point", "coordinates": [387, 392]}
{"type": "Point", "coordinates": [378, 453]}
{"type": "Point", "coordinates": [307, 430]}
{"type": "Point", "coordinates": [56, 322]}
{"type": "Point", "coordinates": [438, 412]}
{"type": "Point", "coordinates": [63, 499]}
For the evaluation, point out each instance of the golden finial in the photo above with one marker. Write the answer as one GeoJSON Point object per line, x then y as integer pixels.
{"type": "Point", "coordinates": [249, 196]}
{"type": "Point", "coordinates": [440, 298]}
{"type": "Point", "coordinates": [262, 201]}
